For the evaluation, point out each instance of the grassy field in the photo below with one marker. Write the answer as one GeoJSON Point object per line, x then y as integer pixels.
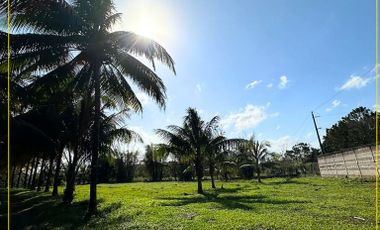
{"type": "Point", "coordinates": [303, 203]}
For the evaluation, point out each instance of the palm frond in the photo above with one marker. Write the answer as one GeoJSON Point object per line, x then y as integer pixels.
{"type": "Point", "coordinates": [141, 75]}
{"type": "Point", "coordinates": [46, 16]}
{"type": "Point", "coordinates": [141, 46]}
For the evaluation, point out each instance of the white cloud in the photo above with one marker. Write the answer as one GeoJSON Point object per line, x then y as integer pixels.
{"type": "Point", "coordinates": [280, 145]}
{"type": "Point", "coordinates": [250, 117]}
{"type": "Point", "coordinates": [253, 84]}
{"type": "Point", "coordinates": [355, 82]}
{"type": "Point", "coordinates": [278, 127]}
{"type": "Point", "coordinates": [335, 103]}
{"type": "Point", "coordinates": [270, 85]}
{"type": "Point", "coordinates": [283, 82]}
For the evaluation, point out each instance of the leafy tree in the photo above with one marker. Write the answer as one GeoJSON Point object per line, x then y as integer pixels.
{"type": "Point", "coordinates": [126, 167]}
{"type": "Point", "coordinates": [353, 130]}
{"type": "Point", "coordinates": [298, 155]}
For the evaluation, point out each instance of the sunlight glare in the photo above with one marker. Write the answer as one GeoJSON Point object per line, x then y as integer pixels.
{"type": "Point", "coordinates": [147, 29]}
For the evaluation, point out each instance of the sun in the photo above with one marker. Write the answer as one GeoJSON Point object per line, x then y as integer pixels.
{"type": "Point", "coordinates": [148, 28]}
{"type": "Point", "coordinates": [152, 21]}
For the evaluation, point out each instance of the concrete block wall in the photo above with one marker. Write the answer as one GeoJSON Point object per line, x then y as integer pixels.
{"type": "Point", "coordinates": [355, 162]}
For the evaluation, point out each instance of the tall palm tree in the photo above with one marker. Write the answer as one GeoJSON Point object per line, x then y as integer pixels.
{"type": "Point", "coordinates": [75, 38]}
{"type": "Point", "coordinates": [190, 140]}
{"type": "Point", "coordinates": [256, 151]}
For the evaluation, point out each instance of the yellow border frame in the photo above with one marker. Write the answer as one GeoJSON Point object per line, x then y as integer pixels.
{"type": "Point", "coordinates": [8, 117]}
{"type": "Point", "coordinates": [376, 119]}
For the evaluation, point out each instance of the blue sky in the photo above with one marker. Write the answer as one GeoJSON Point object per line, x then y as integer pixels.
{"type": "Point", "coordinates": [262, 66]}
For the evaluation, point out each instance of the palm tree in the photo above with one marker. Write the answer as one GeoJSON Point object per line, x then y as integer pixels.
{"type": "Point", "coordinates": [79, 142]}
{"type": "Point", "coordinates": [75, 38]}
{"type": "Point", "coordinates": [154, 158]}
{"type": "Point", "coordinates": [216, 145]}
{"type": "Point", "coordinates": [190, 140]}
{"type": "Point", "coordinates": [256, 151]}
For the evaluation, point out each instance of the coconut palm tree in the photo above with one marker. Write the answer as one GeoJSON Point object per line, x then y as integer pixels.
{"type": "Point", "coordinates": [256, 152]}
{"type": "Point", "coordinates": [154, 160]}
{"type": "Point", "coordinates": [190, 140]}
{"type": "Point", "coordinates": [216, 147]}
{"type": "Point", "coordinates": [66, 38]}
{"type": "Point", "coordinates": [79, 143]}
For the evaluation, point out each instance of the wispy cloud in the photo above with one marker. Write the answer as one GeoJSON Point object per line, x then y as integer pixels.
{"type": "Point", "coordinates": [355, 82]}
{"type": "Point", "coordinates": [335, 103]}
{"type": "Point", "coordinates": [270, 85]}
{"type": "Point", "coordinates": [283, 82]}
{"type": "Point", "coordinates": [253, 84]}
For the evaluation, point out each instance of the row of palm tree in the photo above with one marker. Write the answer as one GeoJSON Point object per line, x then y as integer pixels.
{"type": "Point", "coordinates": [69, 67]}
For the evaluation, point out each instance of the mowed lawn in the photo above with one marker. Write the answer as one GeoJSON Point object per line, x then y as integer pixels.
{"type": "Point", "coordinates": [301, 203]}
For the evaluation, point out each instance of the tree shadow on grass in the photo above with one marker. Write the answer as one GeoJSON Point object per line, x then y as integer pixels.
{"type": "Point", "coordinates": [243, 202]}
{"type": "Point", "coordinates": [286, 181]}
{"type": "Point", "coordinates": [38, 210]}
{"type": "Point", "coordinates": [228, 190]}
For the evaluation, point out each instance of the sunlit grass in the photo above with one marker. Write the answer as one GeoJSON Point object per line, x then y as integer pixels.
{"type": "Point", "coordinates": [304, 203]}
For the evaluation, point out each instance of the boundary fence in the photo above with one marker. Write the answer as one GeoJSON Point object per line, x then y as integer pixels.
{"type": "Point", "coordinates": [354, 162]}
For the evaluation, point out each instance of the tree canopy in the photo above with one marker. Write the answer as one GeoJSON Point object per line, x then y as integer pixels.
{"type": "Point", "coordinates": [355, 129]}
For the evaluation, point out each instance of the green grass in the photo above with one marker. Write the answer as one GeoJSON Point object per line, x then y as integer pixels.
{"type": "Point", "coordinates": [303, 203]}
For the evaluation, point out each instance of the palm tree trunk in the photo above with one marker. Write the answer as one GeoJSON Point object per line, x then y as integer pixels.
{"type": "Point", "coordinates": [258, 171]}
{"type": "Point", "coordinates": [57, 170]}
{"type": "Point", "coordinates": [26, 174]}
{"type": "Point", "coordinates": [95, 143]}
{"type": "Point", "coordinates": [31, 172]}
{"type": "Point", "coordinates": [212, 175]}
{"type": "Point", "coordinates": [199, 172]}
{"type": "Point", "coordinates": [35, 175]}
{"type": "Point", "coordinates": [18, 177]}
{"type": "Point", "coordinates": [70, 180]}
{"type": "Point", "coordinates": [13, 175]}
{"type": "Point", "coordinates": [50, 173]}
{"type": "Point", "coordinates": [41, 176]}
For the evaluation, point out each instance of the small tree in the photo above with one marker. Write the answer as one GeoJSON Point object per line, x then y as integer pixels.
{"type": "Point", "coordinates": [154, 162]}
{"type": "Point", "coordinates": [256, 152]}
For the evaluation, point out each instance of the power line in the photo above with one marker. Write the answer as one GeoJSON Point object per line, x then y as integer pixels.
{"type": "Point", "coordinates": [365, 74]}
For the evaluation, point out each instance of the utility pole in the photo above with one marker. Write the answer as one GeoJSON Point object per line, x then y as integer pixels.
{"type": "Point", "coordinates": [316, 130]}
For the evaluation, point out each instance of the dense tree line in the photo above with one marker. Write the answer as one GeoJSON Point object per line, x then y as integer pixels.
{"type": "Point", "coordinates": [357, 128]}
